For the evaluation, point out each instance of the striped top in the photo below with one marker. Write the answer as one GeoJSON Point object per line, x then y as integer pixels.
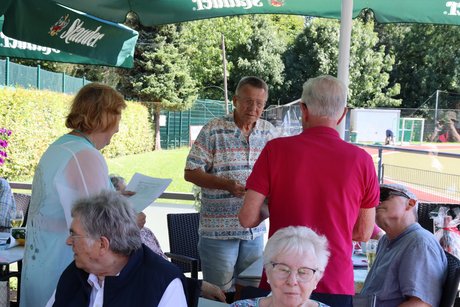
{"type": "Point", "coordinates": [221, 149]}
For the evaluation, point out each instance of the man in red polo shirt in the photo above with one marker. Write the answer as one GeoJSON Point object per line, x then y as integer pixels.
{"type": "Point", "coordinates": [316, 179]}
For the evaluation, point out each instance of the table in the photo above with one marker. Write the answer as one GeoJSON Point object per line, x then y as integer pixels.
{"type": "Point", "coordinates": [10, 256]}
{"type": "Point", "coordinates": [204, 302]}
{"type": "Point", "coordinates": [254, 271]}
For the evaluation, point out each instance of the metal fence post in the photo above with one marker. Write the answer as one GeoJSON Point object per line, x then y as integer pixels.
{"type": "Point", "coordinates": [7, 71]}
{"type": "Point", "coordinates": [63, 82]}
{"type": "Point", "coordinates": [167, 129]}
{"type": "Point", "coordinates": [380, 177]}
{"type": "Point", "coordinates": [180, 129]}
{"type": "Point", "coordinates": [38, 77]}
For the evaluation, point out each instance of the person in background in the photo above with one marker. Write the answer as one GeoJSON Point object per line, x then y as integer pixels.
{"type": "Point", "coordinates": [410, 266]}
{"type": "Point", "coordinates": [72, 167]}
{"type": "Point", "coordinates": [207, 290]}
{"type": "Point", "coordinates": [111, 266]}
{"type": "Point", "coordinates": [318, 180]}
{"type": "Point", "coordinates": [7, 205]}
{"type": "Point", "coordinates": [294, 259]}
{"type": "Point", "coordinates": [389, 137]}
{"type": "Point", "coordinates": [219, 162]}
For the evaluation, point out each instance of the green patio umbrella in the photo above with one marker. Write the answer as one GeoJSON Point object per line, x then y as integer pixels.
{"type": "Point", "coordinates": [154, 12]}
{"type": "Point", "coordinates": [71, 36]}
{"type": "Point", "coordinates": [10, 47]}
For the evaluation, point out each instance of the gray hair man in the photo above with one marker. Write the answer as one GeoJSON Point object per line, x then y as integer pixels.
{"type": "Point", "coordinates": [112, 267]}
{"type": "Point", "coordinates": [316, 179]}
{"type": "Point", "coordinates": [410, 265]}
{"type": "Point", "coordinates": [220, 161]}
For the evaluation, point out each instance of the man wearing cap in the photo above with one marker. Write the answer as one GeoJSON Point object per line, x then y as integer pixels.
{"type": "Point", "coordinates": [410, 266]}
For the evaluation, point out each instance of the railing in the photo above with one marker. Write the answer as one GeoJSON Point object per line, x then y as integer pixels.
{"type": "Point", "coordinates": [430, 186]}
{"type": "Point", "coordinates": [165, 195]}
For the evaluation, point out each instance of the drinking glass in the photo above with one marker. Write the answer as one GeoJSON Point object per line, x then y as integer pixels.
{"type": "Point", "coordinates": [371, 250]}
{"type": "Point", "coordinates": [17, 218]}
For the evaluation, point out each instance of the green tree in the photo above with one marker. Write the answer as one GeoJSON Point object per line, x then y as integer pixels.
{"type": "Point", "coordinates": [160, 76]}
{"type": "Point", "coordinates": [427, 59]}
{"type": "Point", "coordinates": [315, 52]}
{"type": "Point", "coordinates": [260, 55]}
{"type": "Point", "coordinates": [204, 38]}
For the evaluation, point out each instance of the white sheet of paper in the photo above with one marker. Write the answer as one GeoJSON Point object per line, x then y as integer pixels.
{"type": "Point", "coordinates": [147, 189]}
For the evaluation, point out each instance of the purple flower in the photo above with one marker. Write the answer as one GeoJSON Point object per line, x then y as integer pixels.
{"type": "Point", "coordinates": [3, 143]}
{"type": "Point", "coordinates": [2, 160]}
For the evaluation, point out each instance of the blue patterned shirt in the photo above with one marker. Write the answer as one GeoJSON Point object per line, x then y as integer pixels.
{"type": "Point", "coordinates": [7, 204]}
{"type": "Point", "coordinates": [221, 149]}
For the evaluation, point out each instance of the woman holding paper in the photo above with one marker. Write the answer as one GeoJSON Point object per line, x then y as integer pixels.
{"type": "Point", "coordinates": [71, 168]}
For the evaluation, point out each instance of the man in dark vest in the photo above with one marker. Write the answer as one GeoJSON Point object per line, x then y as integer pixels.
{"type": "Point", "coordinates": [112, 267]}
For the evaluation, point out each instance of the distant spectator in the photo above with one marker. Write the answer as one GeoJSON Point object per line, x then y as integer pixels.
{"type": "Point", "coordinates": [389, 137]}
{"type": "Point", "coordinates": [447, 129]}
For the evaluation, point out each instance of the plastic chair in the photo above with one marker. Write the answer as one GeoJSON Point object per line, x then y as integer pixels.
{"type": "Point", "coordinates": [424, 218]}
{"type": "Point", "coordinates": [183, 242]}
{"type": "Point", "coordinates": [22, 203]}
{"type": "Point", "coordinates": [450, 287]}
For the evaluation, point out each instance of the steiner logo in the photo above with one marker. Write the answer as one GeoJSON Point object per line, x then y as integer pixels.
{"type": "Point", "coordinates": [59, 25]}
{"type": "Point", "coordinates": [454, 8]}
{"type": "Point", "coordinates": [276, 3]}
{"type": "Point", "coordinates": [221, 4]}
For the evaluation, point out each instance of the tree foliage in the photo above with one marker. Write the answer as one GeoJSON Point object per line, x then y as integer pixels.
{"type": "Point", "coordinates": [260, 55]}
{"type": "Point", "coordinates": [315, 52]}
{"type": "Point", "coordinates": [427, 59]}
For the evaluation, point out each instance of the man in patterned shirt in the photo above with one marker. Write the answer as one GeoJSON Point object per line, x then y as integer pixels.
{"type": "Point", "coordinates": [220, 161]}
{"type": "Point", "coordinates": [7, 205]}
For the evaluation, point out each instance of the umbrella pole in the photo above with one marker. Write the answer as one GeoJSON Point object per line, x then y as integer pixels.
{"type": "Point", "coordinates": [344, 51]}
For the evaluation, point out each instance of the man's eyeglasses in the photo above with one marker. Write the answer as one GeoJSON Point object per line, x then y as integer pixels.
{"type": "Point", "coordinates": [386, 193]}
{"type": "Point", "coordinates": [249, 101]}
{"type": "Point", "coordinates": [282, 271]}
{"type": "Point", "coordinates": [73, 236]}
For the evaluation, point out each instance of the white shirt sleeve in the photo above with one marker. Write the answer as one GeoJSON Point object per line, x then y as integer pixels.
{"type": "Point", "coordinates": [51, 300]}
{"type": "Point", "coordinates": [174, 295]}
{"type": "Point", "coordinates": [85, 174]}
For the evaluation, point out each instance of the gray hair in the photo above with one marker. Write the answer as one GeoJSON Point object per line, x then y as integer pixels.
{"type": "Point", "coordinates": [297, 240]}
{"type": "Point", "coordinates": [252, 81]}
{"type": "Point", "coordinates": [110, 215]}
{"type": "Point", "coordinates": [116, 181]}
{"type": "Point", "coordinates": [325, 96]}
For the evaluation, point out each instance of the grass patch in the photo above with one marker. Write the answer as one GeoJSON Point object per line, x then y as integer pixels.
{"type": "Point", "coordinates": [161, 164]}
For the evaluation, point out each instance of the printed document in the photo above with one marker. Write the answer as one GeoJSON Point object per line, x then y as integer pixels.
{"type": "Point", "coordinates": [147, 189]}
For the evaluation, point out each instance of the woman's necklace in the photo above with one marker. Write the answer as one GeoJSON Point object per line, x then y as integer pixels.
{"type": "Point", "coordinates": [84, 136]}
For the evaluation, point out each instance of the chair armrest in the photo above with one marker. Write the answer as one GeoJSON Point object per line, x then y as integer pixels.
{"type": "Point", "coordinates": [192, 262]}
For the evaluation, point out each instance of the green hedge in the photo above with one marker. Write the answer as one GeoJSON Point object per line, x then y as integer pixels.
{"type": "Point", "coordinates": [37, 118]}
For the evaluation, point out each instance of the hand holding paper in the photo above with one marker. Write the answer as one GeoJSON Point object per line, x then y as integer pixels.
{"type": "Point", "coordinates": [147, 189]}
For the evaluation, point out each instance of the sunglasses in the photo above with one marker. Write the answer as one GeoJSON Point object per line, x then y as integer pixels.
{"type": "Point", "coordinates": [385, 194]}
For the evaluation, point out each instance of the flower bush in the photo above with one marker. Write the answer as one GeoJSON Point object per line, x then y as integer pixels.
{"type": "Point", "coordinates": [4, 136]}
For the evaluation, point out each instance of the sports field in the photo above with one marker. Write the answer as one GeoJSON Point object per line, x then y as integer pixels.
{"type": "Point", "coordinates": [432, 177]}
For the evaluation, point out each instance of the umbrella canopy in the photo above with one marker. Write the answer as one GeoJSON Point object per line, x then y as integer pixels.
{"type": "Point", "coordinates": [154, 12]}
{"type": "Point", "coordinates": [83, 38]}
{"type": "Point", "coordinates": [10, 47]}
{"type": "Point", "coordinates": [60, 26]}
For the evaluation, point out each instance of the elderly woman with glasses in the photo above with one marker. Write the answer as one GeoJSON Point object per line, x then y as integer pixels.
{"type": "Point", "coordinates": [294, 261]}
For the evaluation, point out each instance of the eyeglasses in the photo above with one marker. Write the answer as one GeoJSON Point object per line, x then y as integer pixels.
{"type": "Point", "coordinates": [74, 236]}
{"type": "Point", "coordinates": [385, 194]}
{"type": "Point", "coordinates": [282, 271]}
{"type": "Point", "coordinates": [249, 101]}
